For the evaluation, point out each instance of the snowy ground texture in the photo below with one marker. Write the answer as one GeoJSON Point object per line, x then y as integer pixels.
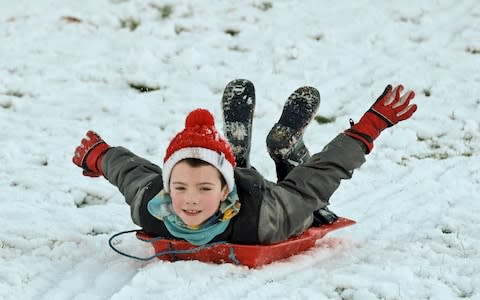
{"type": "Point", "coordinates": [70, 66]}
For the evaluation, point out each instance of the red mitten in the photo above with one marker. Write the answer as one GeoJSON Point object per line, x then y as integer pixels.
{"type": "Point", "coordinates": [389, 109]}
{"type": "Point", "coordinates": [89, 154]}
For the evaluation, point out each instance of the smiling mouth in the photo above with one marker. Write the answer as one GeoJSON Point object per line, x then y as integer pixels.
{"type": "Point", "coordinates": [191, 212]}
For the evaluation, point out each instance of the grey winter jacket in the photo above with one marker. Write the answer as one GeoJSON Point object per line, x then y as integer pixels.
{"type": "Point", "coordinates": [278, 210]}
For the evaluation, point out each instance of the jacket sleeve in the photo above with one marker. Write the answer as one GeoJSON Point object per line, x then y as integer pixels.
{"type": "Point", "coordinates": [287, 207]}
{"type": "Point", "coordinates": [136, 178]}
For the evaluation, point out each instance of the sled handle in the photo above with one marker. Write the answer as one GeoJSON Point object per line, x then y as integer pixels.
{"type": "Point", "coordinates": [110, 243]}
{"type": "Point", "coordinates": [166, 252]}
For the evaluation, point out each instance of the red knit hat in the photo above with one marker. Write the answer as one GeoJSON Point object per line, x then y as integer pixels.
{"type": "Point", "coordinates": [200, 139]}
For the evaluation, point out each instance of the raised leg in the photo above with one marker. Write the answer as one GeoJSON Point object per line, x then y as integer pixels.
{"type": "Point", "coordinates": [285, 140]}
{"type": "Point", "coordinates": [238, 104]}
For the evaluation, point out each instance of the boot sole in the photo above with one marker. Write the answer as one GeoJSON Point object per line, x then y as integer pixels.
{"type": "Point", "coordinates": [238, 104]}
{"type": "Point", "coordinates": [298, 111]}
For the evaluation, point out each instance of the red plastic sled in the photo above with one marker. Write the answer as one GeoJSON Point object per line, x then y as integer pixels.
{"type": "Point", "coordinates": [248, 255]}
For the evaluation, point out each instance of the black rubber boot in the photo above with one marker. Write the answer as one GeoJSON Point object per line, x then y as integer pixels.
{"type": "Point", "coordinates": [324, 216]}
{"type": "Point", "coordinates": [285, 140]}
{"type": "Point", "coordinates": [238, 105]}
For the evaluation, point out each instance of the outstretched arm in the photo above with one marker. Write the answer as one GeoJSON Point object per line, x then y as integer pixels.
{"type": "Point", "coordinates": [288, 206]}
{"type": "Point", "coordinates": [136, 178]}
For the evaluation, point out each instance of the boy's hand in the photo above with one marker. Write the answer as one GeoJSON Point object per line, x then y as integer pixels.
{"type": "Point", "coordinates": [389, 109]}
{"type": "Point", "coordinates": [89, 154]}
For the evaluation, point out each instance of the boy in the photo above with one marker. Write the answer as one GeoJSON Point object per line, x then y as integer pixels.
{"type": "Point", "coordinates": [202, 196]}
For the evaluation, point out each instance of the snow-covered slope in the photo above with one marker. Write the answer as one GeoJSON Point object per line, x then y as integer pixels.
{"type": "Point", "coordinates": [70, 66]}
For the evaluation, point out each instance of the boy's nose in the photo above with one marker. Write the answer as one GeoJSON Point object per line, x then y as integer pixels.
{"type": "Point", "coordinates": [191, 199]}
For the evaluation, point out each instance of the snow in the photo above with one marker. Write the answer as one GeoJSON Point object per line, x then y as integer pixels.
{"type": "Point", "coordinates": [68, 66]}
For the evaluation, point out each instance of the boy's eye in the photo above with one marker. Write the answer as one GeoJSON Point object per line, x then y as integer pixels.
{"type": "Point", "coordinates": [205, 189]}
{"type": "Point", "coordinates": [179, 188]}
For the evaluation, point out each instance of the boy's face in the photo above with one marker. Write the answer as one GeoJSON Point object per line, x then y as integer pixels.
{"type": "Point", "coordinates": [196, 192]}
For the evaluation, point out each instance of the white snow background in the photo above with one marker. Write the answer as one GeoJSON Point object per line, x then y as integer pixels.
{"type": "Point", "coordinates": [70, 66]}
